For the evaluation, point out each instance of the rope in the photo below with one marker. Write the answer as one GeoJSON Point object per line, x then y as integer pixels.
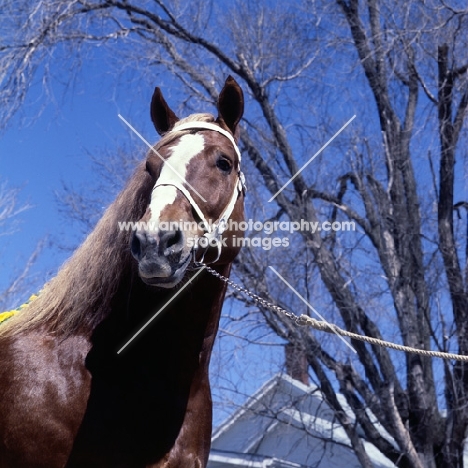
{"type": "Point", "coordinates": [305, 320]}
{"type": "Point", "coordinates": [4, 316]}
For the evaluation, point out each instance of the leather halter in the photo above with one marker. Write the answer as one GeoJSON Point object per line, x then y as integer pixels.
{"type": "Point", "coordinates": [215, 230]}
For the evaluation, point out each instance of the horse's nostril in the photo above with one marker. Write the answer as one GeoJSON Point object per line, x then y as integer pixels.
{"type": "Point", "coordinates": [175, 238]}
{"type": "Point", "coordinates": [135, 245]}
{"type": "Point", "coordinates": [171, 242]}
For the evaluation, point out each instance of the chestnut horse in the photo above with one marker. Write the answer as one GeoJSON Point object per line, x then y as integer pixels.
{"type": "Point", "coordinates": [72, 393]}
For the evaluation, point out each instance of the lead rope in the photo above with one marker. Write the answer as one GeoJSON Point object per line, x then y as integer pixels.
{"type": "Point", "coordinates": [303, 320]}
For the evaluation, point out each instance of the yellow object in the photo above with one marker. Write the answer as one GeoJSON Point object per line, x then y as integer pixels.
{"type": "Point", "coordinates": [6, 315]}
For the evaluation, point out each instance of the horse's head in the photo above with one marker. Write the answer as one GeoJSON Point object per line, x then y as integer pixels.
{"type": "Point", "coordinates": [197, 198]}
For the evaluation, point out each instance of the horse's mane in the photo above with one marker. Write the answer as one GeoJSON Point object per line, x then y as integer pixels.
{"type": "Point", "coordinates": [81, 294]}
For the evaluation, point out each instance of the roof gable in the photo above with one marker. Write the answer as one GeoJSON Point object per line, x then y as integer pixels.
{"type": "Point", "coordinates": [286, 421]}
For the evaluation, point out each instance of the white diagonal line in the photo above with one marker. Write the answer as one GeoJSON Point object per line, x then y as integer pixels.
{"type": "Point", "coordinates": [312, 158]}
{"type": "Point", "coordinates": [160, 310]}
{"type": "Point", "coordinates": [311, 307]}
{"type": "Point", "coordinates": [140, 136]}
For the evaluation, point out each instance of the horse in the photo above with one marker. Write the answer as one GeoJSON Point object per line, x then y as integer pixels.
{"type": "Point", "coordinates": [75, 389]}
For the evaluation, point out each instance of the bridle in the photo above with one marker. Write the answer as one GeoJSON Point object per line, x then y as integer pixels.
{"type": "Point", "coordinates": [213, 231]}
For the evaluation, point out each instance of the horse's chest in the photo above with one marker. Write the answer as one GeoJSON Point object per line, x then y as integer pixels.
{"type": "Point", "coordinates": [47, 390]}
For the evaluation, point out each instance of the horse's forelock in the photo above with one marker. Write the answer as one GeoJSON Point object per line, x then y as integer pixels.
{"type": "Point", "coordinates": [169, 137]}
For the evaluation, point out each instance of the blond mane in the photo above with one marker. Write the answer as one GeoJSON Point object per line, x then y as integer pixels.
{"type": "Point", "coordinates": [81, 293]}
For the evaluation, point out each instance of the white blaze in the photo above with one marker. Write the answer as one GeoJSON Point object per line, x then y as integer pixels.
{"type": "Point", "coordinates": [174, 170]}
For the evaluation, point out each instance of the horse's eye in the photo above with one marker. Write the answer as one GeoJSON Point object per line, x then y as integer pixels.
{"type": "Point", "coordinates": [224, 164]}
{"type": "Point", "coordinates": [153, 167]}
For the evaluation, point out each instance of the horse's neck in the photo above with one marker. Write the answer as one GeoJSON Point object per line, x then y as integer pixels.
{"type": "Point", "coordinates": [197, 308]}
{"type": "Point", "coordinates": [184, 329]}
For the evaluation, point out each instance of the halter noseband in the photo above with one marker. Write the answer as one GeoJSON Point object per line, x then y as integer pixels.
{"type": "Point", "coordinates": [215, 230]}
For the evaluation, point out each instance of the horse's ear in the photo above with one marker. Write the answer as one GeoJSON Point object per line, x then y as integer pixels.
{"type": "Point", "coordinates": [161, 114]}
{"type": "Point", "coordinates": [230, 104]}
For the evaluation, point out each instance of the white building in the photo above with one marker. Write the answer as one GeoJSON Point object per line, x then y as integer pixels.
{"type": "Point", "coordinates": [288, 424]}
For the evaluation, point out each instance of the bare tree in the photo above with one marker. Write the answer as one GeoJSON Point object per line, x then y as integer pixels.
{"type": "Point", "coordinates": [307, 67]}
{"type": "Point", "coordinates": [10, 208]}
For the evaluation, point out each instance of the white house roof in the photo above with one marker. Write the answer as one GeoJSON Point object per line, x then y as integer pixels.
{"type": "Point", "coordinates": [288, 424]}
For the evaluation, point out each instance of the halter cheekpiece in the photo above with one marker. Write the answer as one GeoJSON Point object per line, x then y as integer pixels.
{"type": "Point", "coordinates": [213, 231]}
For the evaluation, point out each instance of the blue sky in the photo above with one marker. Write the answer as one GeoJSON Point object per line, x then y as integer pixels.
{"type": "Point", "coordinates": [39, 154]}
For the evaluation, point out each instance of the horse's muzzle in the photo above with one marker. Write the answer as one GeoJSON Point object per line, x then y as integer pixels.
{"type": "Point", "coordinates": [162, 256]}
